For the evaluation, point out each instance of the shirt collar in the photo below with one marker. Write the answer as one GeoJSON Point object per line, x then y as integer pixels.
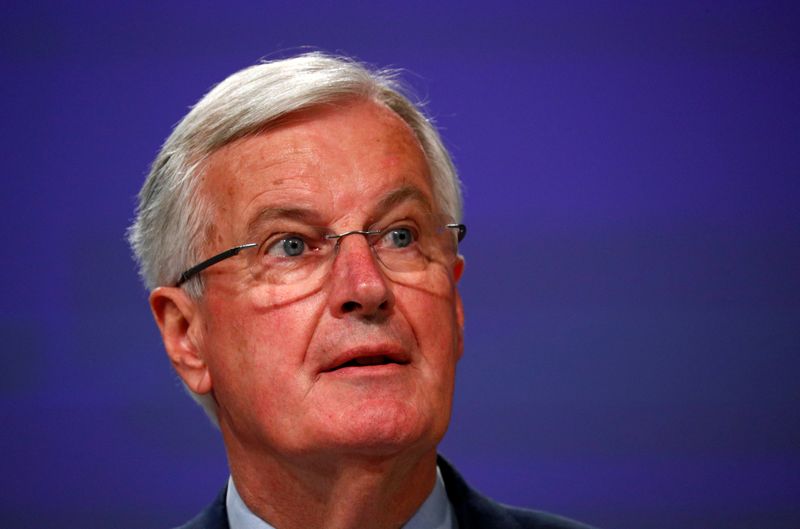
{"type": "Point", "coordinates": [436, 512]}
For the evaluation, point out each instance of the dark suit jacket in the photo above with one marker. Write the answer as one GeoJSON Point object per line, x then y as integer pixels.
{"type": "Point", "coordinates": [473, 510]}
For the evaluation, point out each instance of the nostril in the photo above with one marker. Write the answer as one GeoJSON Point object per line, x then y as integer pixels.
{"type": "Point", "coordinates": [350, 306]}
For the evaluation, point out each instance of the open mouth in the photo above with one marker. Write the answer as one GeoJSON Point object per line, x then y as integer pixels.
{"type": "Point", "coordinates": [370, 361]}
{"type": "Point", "coordinates": [376, 360]}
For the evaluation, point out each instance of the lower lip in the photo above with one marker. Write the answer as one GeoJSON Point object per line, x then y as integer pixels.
{"type": "Point", "coordinates": [368, 370]}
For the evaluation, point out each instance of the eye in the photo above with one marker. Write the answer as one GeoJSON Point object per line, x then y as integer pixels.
{"type": "Point", "coordinates": [288, 246]}
{"type": "Point", "coordinates": [398, 237]}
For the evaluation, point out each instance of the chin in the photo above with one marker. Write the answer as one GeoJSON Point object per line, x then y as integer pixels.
{"type": "Point", "coordinates": [383, 427]}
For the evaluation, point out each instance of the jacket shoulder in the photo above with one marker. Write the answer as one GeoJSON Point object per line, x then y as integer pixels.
{"type": "Point", "coordinates": [215, 516]}
{"type": "Point", "coordinates": [475, 511]}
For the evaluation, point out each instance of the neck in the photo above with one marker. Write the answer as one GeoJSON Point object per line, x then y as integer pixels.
{"type": "Point", "coordinates": [334, 492]}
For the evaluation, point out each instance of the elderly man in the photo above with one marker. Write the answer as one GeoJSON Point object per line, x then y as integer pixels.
{"type": "Point", "coordinates": [299, 234]}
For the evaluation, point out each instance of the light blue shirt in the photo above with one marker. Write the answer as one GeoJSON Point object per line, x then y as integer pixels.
{"type": "Point", "coordinates": [435, 513]}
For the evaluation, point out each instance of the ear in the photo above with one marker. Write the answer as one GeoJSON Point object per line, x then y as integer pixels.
{"type": "Point", "coordinates": [458, 271]}
{"type": "Point", "coordinates": [179, 321]}
{"type": "Point", "coordinates": [458, 267]}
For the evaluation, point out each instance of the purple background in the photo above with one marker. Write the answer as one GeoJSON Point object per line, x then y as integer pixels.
{"type": "Point", "coordinates": [633, 262]}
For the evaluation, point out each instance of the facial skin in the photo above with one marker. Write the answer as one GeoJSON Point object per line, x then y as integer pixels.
{"type": "Point", "coordinates": [266, 356]}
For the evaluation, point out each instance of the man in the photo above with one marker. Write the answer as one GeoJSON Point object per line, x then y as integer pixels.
{"type": "Point", "coordinates": [298, 232]}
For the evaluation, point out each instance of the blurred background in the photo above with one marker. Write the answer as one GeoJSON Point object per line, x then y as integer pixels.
{"type": "Point", "coordinates": [631, 176]}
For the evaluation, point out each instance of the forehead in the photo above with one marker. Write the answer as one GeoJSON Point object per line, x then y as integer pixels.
{"type": "Point", "coordinates": [338, 160]}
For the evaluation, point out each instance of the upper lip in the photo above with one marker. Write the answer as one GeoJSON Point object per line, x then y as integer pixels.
{"type": "Point", "coordinates": [382, 353]}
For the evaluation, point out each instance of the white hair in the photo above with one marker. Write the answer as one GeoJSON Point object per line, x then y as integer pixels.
{"type": "Point", "coordinates": [167, 234]}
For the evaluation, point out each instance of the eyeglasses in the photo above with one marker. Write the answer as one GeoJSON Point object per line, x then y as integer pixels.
{"type": "Point", "coordinates": [295, 255]}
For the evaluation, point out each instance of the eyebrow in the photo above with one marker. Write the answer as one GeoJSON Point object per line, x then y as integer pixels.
{"type": "Point", "coordinates": [389, 201]}
{"type": "Point", "coordinates": [304, 215]}
{"type": "Point", "coordinates": [406, 193]}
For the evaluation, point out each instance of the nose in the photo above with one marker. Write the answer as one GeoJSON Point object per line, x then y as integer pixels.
{"type": "Point", "coordinates": [359, 286]}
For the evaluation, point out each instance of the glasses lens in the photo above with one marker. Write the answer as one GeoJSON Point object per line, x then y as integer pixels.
{"type": "Point", "coordinates": [414, 247]}
{"type": "Point", "coordinates": [293, 264]}
{"type": "Point", "coordinates": [290, 258]}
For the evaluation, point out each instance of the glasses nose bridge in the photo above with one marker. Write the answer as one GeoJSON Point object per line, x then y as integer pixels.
{"type": "Point", "coordinates": [339, 236]}
{"type": "Point", "coordinates": [368, 236]}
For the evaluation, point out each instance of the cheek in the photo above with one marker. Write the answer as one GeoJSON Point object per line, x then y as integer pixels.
{"type": "Point", "coordinates": [256, 357]}
{"type": "Point", "coordinates": [434, 322]}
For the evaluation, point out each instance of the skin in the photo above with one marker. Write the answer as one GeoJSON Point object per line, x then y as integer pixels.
{"type": "Point", "coordinates": [309, 446]}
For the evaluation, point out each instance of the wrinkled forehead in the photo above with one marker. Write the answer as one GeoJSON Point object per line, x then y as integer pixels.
{"type": "Point", "coordinates": [339, 159]}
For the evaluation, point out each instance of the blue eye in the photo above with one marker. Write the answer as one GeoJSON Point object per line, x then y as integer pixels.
{"type": "Point", "coordinates": [399, 237]}
{"type": "Point", "coordinates": [291, 246]}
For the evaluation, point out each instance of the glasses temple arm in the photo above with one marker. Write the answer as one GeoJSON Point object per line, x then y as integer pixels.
{"type": "Point", "coordinates": [196, 269]}
{"type": "Point", "coordinates": [462, 230]}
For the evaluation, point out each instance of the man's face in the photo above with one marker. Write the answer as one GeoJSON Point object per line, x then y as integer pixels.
{"type": "Point", "coordinates": [276, 361]}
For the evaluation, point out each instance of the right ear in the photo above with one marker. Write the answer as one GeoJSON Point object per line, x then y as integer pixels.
{"type": "Point", "coordinates": [180, 324]}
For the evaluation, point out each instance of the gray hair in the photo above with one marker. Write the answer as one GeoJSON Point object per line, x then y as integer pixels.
{"type": "Point", "coordinates": [167, 234]}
